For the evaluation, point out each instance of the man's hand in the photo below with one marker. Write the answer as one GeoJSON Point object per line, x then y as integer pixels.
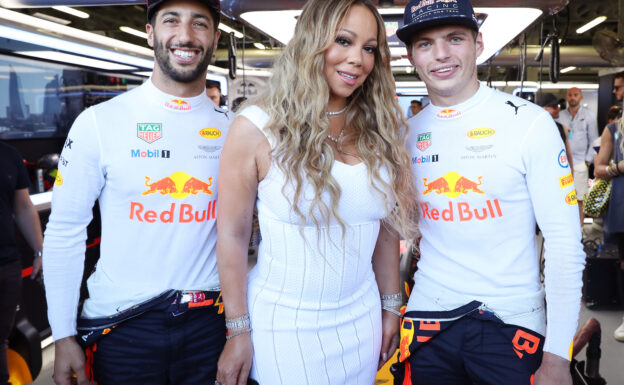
{"type": "Point", "coordinates": [69, 359]}
{"type": "Point", "coordinates": [36, 267]}
{"type": "Point", "coordinates": [554, 370]}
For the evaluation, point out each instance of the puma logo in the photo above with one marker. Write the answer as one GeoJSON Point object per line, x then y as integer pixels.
{"type": "Point", "coordinates": [514, 106]}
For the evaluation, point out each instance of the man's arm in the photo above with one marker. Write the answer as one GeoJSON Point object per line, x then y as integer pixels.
{"type": "Point", "coordinates": [592, 134]}
{"type": "Point", "coordinates": [551, 188]}
{"type": "Point", "coordinates": [27, 220]}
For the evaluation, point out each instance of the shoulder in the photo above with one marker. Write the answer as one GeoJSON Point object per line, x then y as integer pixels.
{"type": "Point", "coordinates": [127, 100]}
{"type": "Point", "coordinates": [516, 106]}
{"type": "Point", "coordinates": [256, 115]}
{"type": "Point", "coordinates": [10, 152]}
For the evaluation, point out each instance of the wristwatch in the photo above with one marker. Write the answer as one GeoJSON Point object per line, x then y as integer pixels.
{"type": "Point", "coordinates": [38, 254]}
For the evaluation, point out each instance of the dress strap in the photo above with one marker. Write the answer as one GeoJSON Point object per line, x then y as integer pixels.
{"type": "Point", "coordinates": [257, 116]}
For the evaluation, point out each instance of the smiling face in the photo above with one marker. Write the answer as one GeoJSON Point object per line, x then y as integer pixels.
{"type": "Point", "coordinates": [351, 57]}
{"type": "Point", "coordinates": [183, 37]}
{"type": "Point", "coordinates": [445, 59]}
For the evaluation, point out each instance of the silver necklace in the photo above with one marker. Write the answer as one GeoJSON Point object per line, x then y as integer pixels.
{"type": "Point", "coordinates": [333, 113]}
{"type": "Point", "coordinates": [335, 140]}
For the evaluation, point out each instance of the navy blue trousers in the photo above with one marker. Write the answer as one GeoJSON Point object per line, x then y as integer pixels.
{"type": "Point", "coordinates": [160, 347]}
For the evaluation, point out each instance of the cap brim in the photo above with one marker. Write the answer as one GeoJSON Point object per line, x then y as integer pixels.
{"type": "Point", "coordinates": [406, 32]}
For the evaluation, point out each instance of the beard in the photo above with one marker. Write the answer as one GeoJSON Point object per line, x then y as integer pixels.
{"type": "Point", "coordinates": [185, 75]}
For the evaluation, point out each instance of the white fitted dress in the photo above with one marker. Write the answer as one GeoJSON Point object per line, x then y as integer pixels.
{"type": "Point", "coordinates": [313, 299]}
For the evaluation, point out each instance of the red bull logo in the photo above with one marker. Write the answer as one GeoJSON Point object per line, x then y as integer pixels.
{"type": "Point", "coordinates": [179, 185]}
{"type": "Point", "coordinates": [407, 336]}
{"type": "Point", "coordinates": [452, 185]}
{"type": "Point", "coordinates": [448, 114]}
{"type": "Point", "coordinates": [178, 105]}
{"type": "Point", "coordinates": [478, 133]}
{"type": "Point", "coordinates": [210, 133]}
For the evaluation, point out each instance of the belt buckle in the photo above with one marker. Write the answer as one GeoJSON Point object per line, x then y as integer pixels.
{"type": "Point", "coordinates": [193, 297]}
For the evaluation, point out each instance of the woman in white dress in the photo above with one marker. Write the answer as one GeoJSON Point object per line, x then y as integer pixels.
{"type": "Point", "coordinates": [322, 154]}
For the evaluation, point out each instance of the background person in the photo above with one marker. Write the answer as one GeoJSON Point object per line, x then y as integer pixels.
{"type": "Point", "coordinates": [611, 150]}
{"type": "Point", "coordinates": [154, 314]}
{"type": "Point", "coordinates": [583, 130]}
{"type": "Point", "coordinates": [322, 154]}
{"type": "Point", "coordinates": [415, 107]}
{"type": "Point", "coordinates": [15, 204]}
{"type": "Point", "coordinates": [476, 313]}
{"type": "Point", "coordinates": [213, 91]}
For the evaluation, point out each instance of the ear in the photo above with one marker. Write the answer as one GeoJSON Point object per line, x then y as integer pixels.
{"type": "Point", "coordinates": [150, 34]}
{"type": "Point", "coordinates": [216, 39]}
{"type": "Point", "coordinates": [410, 57]}
{"type": "Point", "coordinates": [479, 44]}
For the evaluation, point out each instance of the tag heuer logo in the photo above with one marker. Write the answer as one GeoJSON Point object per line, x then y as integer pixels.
{"type": "Point", "coordinates": [149, 132]}
{"type": "Point", "coordinates": [424, 141]}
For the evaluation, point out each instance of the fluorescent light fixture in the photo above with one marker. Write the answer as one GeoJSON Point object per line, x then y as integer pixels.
{"type": "Point", "coordinates": [53, 19]}
{"type": "Point", "coordinates": [133, 31]}
{"type": "Point", "coordinates": [410, 84]}
{"type": "Point", "coordinates": [567, 69]}
{"type": "Point", "coordinates": [28, 22]}
{"type": "Point", "coordinates": [227, 29]}
{"type": "Point", "coordinates": [75, 59]}
{"type": "Point", "coordinates": [217, 78]}
{"type": "Point", "coordinates": [71, 11]}
{"type": "Point", "coordinates": [499, 28]}
{"type": "Point", "coordinates": [259, 45]}
{"type": "Point", "coordinates": [565, 86]}
{"type": "Point", "coordinates": [591, 24]}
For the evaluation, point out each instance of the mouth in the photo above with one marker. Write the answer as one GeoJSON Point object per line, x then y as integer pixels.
{"type": "Point", "coordinates": [445, 71]}
{"type": "Point", "coordinates": [184, 55]}
{"type": "Point", "coordinates": [348, 78]}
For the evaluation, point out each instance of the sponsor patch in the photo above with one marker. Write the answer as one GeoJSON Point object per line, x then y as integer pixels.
{"type": "Point", "coordinates": [210, 133]}
{"type": "Point", "coordinates": [150, 154]}
{"type": "Point", "coordinates": [482, 148]}
{"type": "Point", "coordinates": [478, 133]}
{"type": "Point", "coordinates": [210, 148]}
{"type": "Point", "coordinates": [58, 180]}
{"type": "Point", "coordinates": [562, 158]}
{"type": "Point", "coordinates": [448, 114]}
{"type": "Point", "coordinates": [571, 198]}
{"type": "Point", "coordinates": [424, 141]}
{"type": "Point", "coordinates": [566, 180]}
{"type": "Point", "coordinates": [178, 105]}
{"type": "Point", "coordinates": [68, 143]}
{"type": "Point", "coordinates": [425, 159]}
{"type": "Point", "coordinates": [149, 132]}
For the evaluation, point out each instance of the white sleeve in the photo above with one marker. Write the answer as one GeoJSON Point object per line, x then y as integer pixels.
{"type": "Point", "coordinates": [78, 185]}
{"type": "Point", "coordinates": [552, 193]}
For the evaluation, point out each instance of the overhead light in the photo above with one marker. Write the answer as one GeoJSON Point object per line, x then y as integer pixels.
{"type": "Point", "coordinates": [567, 69]}
{"type": "Point", "coordinates": [591, 24]}
{"type": "Point", "coordinates": [69, 46]}
{"type": "Point", "coordinates": [259, 45]}
{"type": "Point", "coordinates": [227, 29]}
{"type": "Point", "coordinates": [72, 11]}
{"type": "Point", "coordinates": [501, 25]}
{"type": "Point", "coordinates": [53, 19]}
{"type": "Point", "coordinates": [217, 78]}
{"type": "Point", "coordinates": [75, 59]}
{"type": "Point", "coordinates": [133, 31]}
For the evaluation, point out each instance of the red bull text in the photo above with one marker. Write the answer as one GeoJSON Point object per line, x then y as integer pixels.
{"type": "Point", "coordinates": [183, 213]}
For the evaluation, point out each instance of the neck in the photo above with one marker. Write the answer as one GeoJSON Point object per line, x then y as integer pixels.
{"type": "Point", "coordinates": [453, 97]}
{"type": "Point", "coordinates": [574, 110]}
{"type": "Point", "coordinates": [175, 88]}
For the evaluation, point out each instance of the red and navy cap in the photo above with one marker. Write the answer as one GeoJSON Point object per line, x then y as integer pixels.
{"type": "Point", "coordinates": [423, 14]}
{"type": "Point", "coordinates": [215, 5]}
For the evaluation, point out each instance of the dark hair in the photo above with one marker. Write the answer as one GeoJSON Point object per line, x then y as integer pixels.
{"type": "Point", "coordinates": [619, 75]}
{"type": "Point", "coordinates": [213, 84]}
{"type": "Point", "coordinates": [416, 102]}
{"type": "Point", "coordinates": [614, 111]}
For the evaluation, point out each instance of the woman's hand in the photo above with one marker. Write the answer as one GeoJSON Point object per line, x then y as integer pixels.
{"type": "Point", "coordinates": [235, 361]}
{"type": "Point", "coordinates": [390, 336]}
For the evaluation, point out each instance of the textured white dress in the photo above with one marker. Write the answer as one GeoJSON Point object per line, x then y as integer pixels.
{"type": "Point", "coordinates": [313, 299]}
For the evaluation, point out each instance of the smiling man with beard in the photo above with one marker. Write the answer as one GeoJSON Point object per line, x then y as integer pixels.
{"type": "Point", "coordinates": [154, 313]}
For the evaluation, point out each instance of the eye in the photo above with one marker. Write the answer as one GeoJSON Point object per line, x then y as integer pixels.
{"type": "Point", "coordinates": [343, 41]}
{"type": "Point", "coordinates": [456, 39]}
{"type": "Point", "coordinates": [370, 49]}
{"type": "Point", "coordinates": [424, 44]}
{"type": "Point", "coordinates": [200, 24]}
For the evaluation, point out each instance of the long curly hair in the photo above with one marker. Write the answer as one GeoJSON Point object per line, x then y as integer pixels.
{"type": "Point", "coordinates": [296, 102]}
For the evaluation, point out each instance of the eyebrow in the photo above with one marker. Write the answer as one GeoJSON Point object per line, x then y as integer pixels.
{"type": "Point", "coordinates": [450, 34]}
{"type": "Point", "coordinates": [194, 15]}
{"type": "Point", "coordinates": [355, 34]}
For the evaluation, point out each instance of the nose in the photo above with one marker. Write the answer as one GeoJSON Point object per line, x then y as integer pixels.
{"type": "Point", "coordinates": [355, 56]}
{"type": "Point", "coordinates": [441, 51]}
{"type": "Point", "coordinates": [185, 32]}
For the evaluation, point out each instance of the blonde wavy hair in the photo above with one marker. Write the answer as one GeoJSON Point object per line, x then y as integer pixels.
{"type": "Point", "coordinates": [296, 102]}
